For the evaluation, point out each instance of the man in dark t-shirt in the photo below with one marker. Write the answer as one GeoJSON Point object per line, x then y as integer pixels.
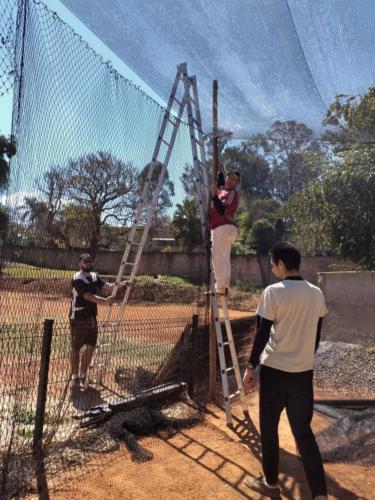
{"type": "Point", "coordinates": [87, 290]}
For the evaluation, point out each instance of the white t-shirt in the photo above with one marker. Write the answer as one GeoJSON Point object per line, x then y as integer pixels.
{"type": "Point", "coordinates": [295, 307]}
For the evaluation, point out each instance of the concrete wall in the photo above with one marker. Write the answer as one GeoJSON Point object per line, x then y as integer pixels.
{"type": "Point", "coordinates": [193, 266]}
{"type": "Point", "coordinates": [350, 300]}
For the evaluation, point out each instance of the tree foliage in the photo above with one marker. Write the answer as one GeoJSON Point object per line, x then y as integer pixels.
{"type": "Point", "coordinates": [7, 150]}
{"type": "Point", "coordinates": [78, 201]}
{"type": "Point", "coordinates": [255, 173]}
{"type": "Point", "coordinates": [187, 225]}
{"type": "Point", "coordinates": [285, 146]}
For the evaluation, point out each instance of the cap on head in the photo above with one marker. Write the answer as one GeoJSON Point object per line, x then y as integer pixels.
{"type": "Point", "coordinates": [234, 173]}
{"type": "Point", "coordinates": [84, 257]}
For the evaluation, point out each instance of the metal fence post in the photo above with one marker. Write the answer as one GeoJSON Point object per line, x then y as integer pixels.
{"type": "Point", "coordinates": [38, 453]}
{"type": "Point", "coordinates": [193, 355]}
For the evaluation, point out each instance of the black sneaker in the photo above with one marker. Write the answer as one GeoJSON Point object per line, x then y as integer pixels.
{"type": "Point", "coordinates": [75, 381]}
{"type": "Point", "coordinates": [258, 484]}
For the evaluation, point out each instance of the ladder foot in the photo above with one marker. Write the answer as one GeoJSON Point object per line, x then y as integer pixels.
{"type": "Point", "coordinates": [230, 425]}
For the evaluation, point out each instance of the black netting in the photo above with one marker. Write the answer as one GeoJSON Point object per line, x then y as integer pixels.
{"type": "Point", "coordinates": [8, 9]}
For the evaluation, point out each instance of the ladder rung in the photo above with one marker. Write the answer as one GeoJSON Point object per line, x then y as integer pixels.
{"type": "Point", "coordinates": [174, 121]}
{"type": "Point", "coordinates": [229, 369]}
{"type": "Point", "coordinates": [231, 396]}
{"type": "Point", "coordinates": [167, 143]}
{"type": "Point", "coordinates": [129, 263]}
{"type": "Point", "coordinates": [199, 142]}
{"type": "Point", "coordinates": [178, 102]}
{"type": "Point", "coordinates": [107, 344]}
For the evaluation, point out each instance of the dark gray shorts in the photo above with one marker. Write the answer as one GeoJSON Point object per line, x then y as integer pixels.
{"type": "Point", "coordinates": [84, 332]}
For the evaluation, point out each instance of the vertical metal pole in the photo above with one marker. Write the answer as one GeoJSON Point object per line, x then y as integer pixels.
{"type": "Point", "coordinates": [215, 167]}
{"type": "Point", "coordinates": [40, 410]}
{"type": "Point", "coordinates": [193, 358]}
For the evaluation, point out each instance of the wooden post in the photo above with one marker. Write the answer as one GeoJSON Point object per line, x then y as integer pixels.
{"type": "Point", "coordinates": [38, 454]}
{"type": "Point", "coordinates": [215, 150]}
{"type": "Point", "coordinates": [215, 167]}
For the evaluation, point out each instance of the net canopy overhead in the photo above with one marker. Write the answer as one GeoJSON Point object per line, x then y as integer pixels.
{"type": "Point", "coordinates": [274, 59]}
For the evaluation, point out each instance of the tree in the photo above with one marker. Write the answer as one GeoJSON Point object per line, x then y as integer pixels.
{"type": "Point", "coordinates": [42, 213]}
{"type": "Point", "coordinates": [338, 213]}
{"type": "Point", "coordinates": [352, 119]}
{"type": "Point", "coordinates": [167, 188]}
{"type": "Point", "coordinates": [100, 189]}
{"type": "Point", "coordinates": [255, 172]}
{"type": "Point", "coordinates": [306, 215]}
{"type": "Point", "coordinates": [261, 226]}
{"type": "Point", "coordinates": [187, 225]}
{"type": "Point", "coordinates": [349, 186]}
{"type": "Point", "coordinates": [7, 150]}
{"type": "Point", "coordinates": [223, 137]}
{"type": "Point", "coordinates": [349, 197]}
{"type": "Point", "coordinates": [284, 145]}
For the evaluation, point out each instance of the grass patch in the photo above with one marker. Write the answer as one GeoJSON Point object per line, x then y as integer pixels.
{"type": "Point", "coordinates": [25, 433]}
{"type": "Point", "coordinates": [24, 416]}
{"type": "Point", "coordinates": [25, 340]}
{"type": "Point", "coordinates": [242, 286]}
{"type": "Point", "coordinates": [143, 354]}
{"type": "Point", "coordinates": [13, 270]}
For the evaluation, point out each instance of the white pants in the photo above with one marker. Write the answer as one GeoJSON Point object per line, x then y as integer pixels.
{"type": "Point", "coordinates": [222, 238]}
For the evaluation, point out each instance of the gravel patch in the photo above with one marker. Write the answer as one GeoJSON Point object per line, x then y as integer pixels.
{"type": "Point", "coordinates": [345, 369]}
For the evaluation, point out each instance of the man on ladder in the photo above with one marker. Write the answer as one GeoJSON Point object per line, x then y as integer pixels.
{"type": "Point", "coordinates": [223, 229]}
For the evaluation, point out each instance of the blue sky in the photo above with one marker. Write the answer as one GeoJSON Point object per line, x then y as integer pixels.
{"type": "Point", "coordinates": [72, 105]}
{"type": "Point", "coordinates": [6, 101]}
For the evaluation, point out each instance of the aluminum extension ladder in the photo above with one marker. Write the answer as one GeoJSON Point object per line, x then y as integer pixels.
{"type": "Point", "coordinates": [144, 217]}
{"type": "Point", "coordinates": [144, 214]}
{"type": "Point", "coordinates": [202, 190]}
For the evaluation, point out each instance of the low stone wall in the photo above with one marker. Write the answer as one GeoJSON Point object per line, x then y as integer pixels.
{"type": "Point", "coordinates": [350, 298]}
{"type": "Point", "coordinates": [193, 266]}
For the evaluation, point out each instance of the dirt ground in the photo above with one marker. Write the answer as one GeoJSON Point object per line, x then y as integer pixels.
{"type": "Point", "coordinates": [18, 307]}
{"type": "Point", "coordinates": [210, 461]}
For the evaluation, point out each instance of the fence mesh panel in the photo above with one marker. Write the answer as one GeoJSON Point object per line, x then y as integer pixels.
{"type": "Point", "coordinates": [85, 137]}
{"type": "Point", "coordinates": [8, 9]}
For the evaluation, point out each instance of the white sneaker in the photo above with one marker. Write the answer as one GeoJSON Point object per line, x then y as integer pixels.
{"type": "Point", "coordinates": [83, 380]}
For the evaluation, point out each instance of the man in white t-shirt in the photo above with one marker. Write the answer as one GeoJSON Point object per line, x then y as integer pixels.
{"type": "Point", "coordinates": [289, 320]}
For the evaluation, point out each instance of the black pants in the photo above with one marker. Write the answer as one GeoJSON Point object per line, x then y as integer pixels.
{"type": "Point", "coordinates": [294, 392]}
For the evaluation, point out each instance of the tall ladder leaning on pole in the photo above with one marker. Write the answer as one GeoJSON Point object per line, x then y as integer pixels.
{"type": "Point", "coordinates": [143, 222]}
{"type": "Point", "coordinates": [143, 217]}
{"type": "Point", "coordinates": [202, 189]}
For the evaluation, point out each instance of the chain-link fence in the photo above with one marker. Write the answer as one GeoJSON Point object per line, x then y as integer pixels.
{"type": "Point", "coordinates": [85, 139]}
{"type": "Point", "coordinates": [8, 10]}
{"type": "Point", "coordinates": [52, 430]}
